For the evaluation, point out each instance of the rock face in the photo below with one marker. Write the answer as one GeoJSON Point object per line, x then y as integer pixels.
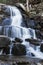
{"type": "Point", "coordinates": [18, 50]}
{"type": "Point", "coordinates": [41, 48]}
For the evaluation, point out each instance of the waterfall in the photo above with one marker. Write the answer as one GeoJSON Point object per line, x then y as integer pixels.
{"type": "Point", "coordinates": [16, 17]}
{"type": "Point", "coordinates": [19, 32]}
{"type": "Point", "coordinates": [10, 49]}
{"type": "Point", "coordinates": [15, 30]}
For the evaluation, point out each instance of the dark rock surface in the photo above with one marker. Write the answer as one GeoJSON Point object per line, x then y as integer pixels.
{"type": "Point", "coordinates": [6, 50]}
{"type": "Point", "coordinates": [41, 48]}
{"type": "Point", "coordinates": [39, 34]}
{"type": "Point", "coordinates": [35, 42]}
{"type": "Point", "coordinates": [4, 41]}
{"type": "Point", "coordinates": [18, 50]}
{"type": "Point", "coordinates": [18, 40]}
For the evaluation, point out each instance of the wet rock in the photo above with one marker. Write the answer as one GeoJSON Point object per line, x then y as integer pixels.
{"type": "Point", "coordinates": [41, 48]}
{"type": "Point", "coordinates": [41, 24]}
{"type": "Point", "coordinates": [32, 54]}
{"type": "Point", "coordinates": [22, 63]}
{"type": "Point", "coordinates": [18, 49]}
{"type": "Point", "coordinates": [4, 41]}
{"type": "Point", "coordinates": [6, 50]}
{"type": "Point", "coordinates": [35, 42]}
{"type": "Point", "coordinates": [18, 40]}
{"type": "Point", "coordinates": [1, 30]}
{"type": "Point", "coordinates": [39, 34]}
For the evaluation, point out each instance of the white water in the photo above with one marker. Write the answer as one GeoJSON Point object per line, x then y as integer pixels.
{"type": "Point", "coordinates": [17, 17]}
{"type": "Point", "coordinates": [19, 32]}
{"type": "Point", "coordinates": [15, 30]}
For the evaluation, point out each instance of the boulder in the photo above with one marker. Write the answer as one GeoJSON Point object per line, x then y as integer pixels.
{"type": "Point", "coordinates": [18, 50]}
{"type": "Point", "coordinates": [35, 42]}
{"type": "Point", "coordinates": [4, 41]}
{"type": "Point", "coordinates": [18, 40]}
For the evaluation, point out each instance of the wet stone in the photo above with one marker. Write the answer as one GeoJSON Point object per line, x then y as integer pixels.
{"type": "Point", "coordinates": [18, 40]}
{"type": "Point", "coordinates": [18, 49]}
{"type": "Point", "coordinates": [4, 41]}
{"type": "Point", "coordinates": [41, 48]}
{"type": "Point", "coordinates": [6, 50]}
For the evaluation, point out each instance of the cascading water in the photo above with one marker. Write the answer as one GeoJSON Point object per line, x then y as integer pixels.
{"type": "Point", "coordinates": [19, 32]}
{"type": "Point", "coordinates": [14, 30]}
{"type": "Point", "coordinates": [16, 17]}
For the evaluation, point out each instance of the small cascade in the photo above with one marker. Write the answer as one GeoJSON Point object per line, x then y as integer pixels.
{"type": "Point", "coordinates": [19, 32]}
{"type": "Point", "coordinates": [1, 52]}
{"type": "Point", "coordinates": [10, 53]}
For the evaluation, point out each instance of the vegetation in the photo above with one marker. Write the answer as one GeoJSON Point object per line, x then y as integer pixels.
{"type": "Point", "coordinates": [34, 7]}
{"type": "Point", "coordinates": [11, 1]}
